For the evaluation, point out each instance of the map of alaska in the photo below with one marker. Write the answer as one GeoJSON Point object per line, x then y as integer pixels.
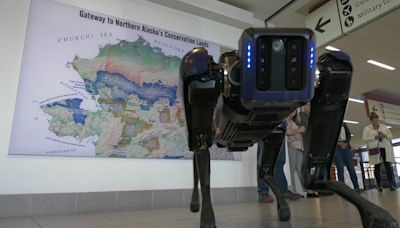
{"type": "Point", "coordinates": [135, 87]}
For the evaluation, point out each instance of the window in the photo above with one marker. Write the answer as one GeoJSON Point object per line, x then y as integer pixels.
{"type": "Point", "coordinates": [396, 149]}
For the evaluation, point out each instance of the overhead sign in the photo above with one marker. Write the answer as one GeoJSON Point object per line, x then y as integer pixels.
{"type": "Point", "coordinates": [354, 13]}
{"type": "Point", "coordinates": [325, 23]}
{"type": "Point", "coordinates": [336, 18]}
{"type": "Point", "coordinates": [388, 113]}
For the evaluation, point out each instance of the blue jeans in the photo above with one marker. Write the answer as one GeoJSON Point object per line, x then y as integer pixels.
{"type": "Point", "coordinates": [345, 157]}
{"type": "Point", "coordinates": [263, 188]}
{"type": "Point", "coordinates": [279, 175]}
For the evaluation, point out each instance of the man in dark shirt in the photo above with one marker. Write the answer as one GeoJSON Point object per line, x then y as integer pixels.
{"type": "Point", "coordinates": [344, 156]}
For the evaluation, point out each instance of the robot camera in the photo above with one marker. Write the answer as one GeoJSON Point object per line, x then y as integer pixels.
{"type": "Point", "coordinates": [277, 66]}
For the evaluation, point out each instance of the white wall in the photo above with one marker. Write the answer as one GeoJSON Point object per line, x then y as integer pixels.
{"type": "Point", "coordinates": [29, 174]}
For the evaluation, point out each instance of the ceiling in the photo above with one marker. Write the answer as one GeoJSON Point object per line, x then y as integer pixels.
{"type": "Point", "coordinates": [262, 9]}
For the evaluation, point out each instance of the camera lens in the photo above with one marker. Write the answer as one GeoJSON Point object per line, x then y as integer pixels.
{"type": "Point", "coordinates": [277, 45]}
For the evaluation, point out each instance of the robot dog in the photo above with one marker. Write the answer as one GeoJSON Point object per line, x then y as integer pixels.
{"type": "Point", "coordinates": [243, 99]}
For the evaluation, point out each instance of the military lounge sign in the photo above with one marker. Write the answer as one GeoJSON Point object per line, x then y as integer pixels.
{"type": "Point", "coordinates": [356, 13]}
{"type": "Point", "coordinates": [336, 18]}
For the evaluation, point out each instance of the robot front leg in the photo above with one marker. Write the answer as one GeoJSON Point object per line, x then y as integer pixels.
{"type": "Point", "coordinates": [207, 219]}
{"type": "Point", "coordinates": [269, 149]}
{"type": "Point", "coordinates": [195, 202]}
{"type": "Point", "coordinates": [327, 111]}
{"type": "Point", "coordinates": [199, 76]}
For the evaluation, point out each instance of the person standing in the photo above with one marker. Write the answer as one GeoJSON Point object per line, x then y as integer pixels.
{"type": "Point", "coordinates": [378, 136]}
{"type": "Point", "coordinates": [295, 148]}
{"type": "Point", "coordinates": [304, 117]}
{"type": "Point", "coordinates": [279, 174]}
{"type": "Point", "coordinates": [262, 186]}
{"type": "Point", "coordinates": [344, 156]}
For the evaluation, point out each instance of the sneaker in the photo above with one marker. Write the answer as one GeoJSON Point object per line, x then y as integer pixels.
{"type": "Point", "coordinates": [359, 190]}
{"type": "Point", "coordinates": [392, 188]}
{"type": "Point", "coordinates": [265, 198]}
{"type": "Point", "coordinates": [312, 195]}
{"type": "Point", "coordinates": [291, 196]}
{"type": "Point", "coordinates": [379, 188]}
{"type": "Point", "coordinates": [325, 193]}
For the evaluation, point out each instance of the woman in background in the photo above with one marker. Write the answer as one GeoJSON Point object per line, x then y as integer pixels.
{"type": "Point", "coordinates": [377, 135]}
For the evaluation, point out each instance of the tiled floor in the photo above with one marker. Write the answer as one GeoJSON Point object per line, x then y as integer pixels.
{"type": "Point", "coordinates": [331, 211]}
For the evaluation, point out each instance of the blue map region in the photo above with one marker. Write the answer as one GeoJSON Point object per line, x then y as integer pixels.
{"type": "Point", "coordinates": [121, 87]}
{"type": "Point", "coordinates": [73, 106]}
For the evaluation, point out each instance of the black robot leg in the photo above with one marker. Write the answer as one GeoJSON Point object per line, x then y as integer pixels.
{"type": "Point", "coordinates": [270, 148]}
{"type": "Point", "coordinates": [327, 111]}
{"type": "Point", "coordinates": [207, 219]}
{"type": "Point", "coordinates": [372, 216]}
{"type": "Point", "coordinates": [195, 203]}
{"type": "Point", "coordinates": [320, 161]}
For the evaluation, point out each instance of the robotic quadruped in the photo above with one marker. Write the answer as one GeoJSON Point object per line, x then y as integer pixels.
{"type": "Point", "coordinates": [243, 99]}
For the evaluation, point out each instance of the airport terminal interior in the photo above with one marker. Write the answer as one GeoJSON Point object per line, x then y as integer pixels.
{"type": "Point", "coordinates": [212, 113]}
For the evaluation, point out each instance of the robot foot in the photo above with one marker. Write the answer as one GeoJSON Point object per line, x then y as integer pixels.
{"type": "Point", "coordinates": [372, 216]}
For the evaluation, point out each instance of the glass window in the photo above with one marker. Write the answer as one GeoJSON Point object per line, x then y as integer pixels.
{"type": "Point", "coordinates": [397, 157]}
{"type": "Point", "coordinates": [396, 150]}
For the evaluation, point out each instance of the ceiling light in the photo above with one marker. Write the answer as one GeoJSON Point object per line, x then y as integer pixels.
{"type": "Point", "coordinates": [352, 135]}
{"type": "Point", "coordinates": [389, 127]}
{"type": "Point", "coordinates": [330, 48]}
{"type": "Point", "coordinates": [356, 100]}
{"type": "Point", "coordinates": [373, 62]}
{"type": "Point", "coordinates": [350, 122]}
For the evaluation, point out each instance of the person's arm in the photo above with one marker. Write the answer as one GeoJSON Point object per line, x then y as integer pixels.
{"type": "Point", "coordinates": [291, 131]}
{"type": "Point", "coordinates": [367, 135]}
{"type": "Point", "coordinates": [348, 134]}
{"type": "Point", "coordinates": [387, 133]}
{"type": "Point", "coordinates": [304, 119]}
{"type": "Point", "coordinates": [346, 143]}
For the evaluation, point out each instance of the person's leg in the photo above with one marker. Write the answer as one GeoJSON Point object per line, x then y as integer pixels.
{"type": "Point", "coordinates": [390, 175]}
{"type": "Point", "coordinates": [263, 188]}
{"type": "Point", "coordinates": [339, 164]}
{"type": "Point", "coordinates": [299, 164]}
{"type": "Point", "coordinates": [292, 163]}
{"type": "Point", "coordinates": [377, 174]}
{"type": "Point", "coordinates": [348, 160]}
{"type": "Point", "coordinates": [279, 175]}
{"type": "Point", "coordinates": [389, 170]}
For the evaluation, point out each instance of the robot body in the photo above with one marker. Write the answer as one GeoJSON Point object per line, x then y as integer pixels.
{"type": "Point", "coordinates": [243, 99]}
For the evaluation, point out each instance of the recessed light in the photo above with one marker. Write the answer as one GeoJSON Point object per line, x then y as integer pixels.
{"type": "Point", "coordinates": [356, 100]}
{"type": "Point", "coordinates": [350, 122]}
{"type": "Point", "coordinates": [352, 135]}
{"type": "Point", "coordinates": [330, 48]}
{"type": "Point", "coordinates": [382, 65]}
